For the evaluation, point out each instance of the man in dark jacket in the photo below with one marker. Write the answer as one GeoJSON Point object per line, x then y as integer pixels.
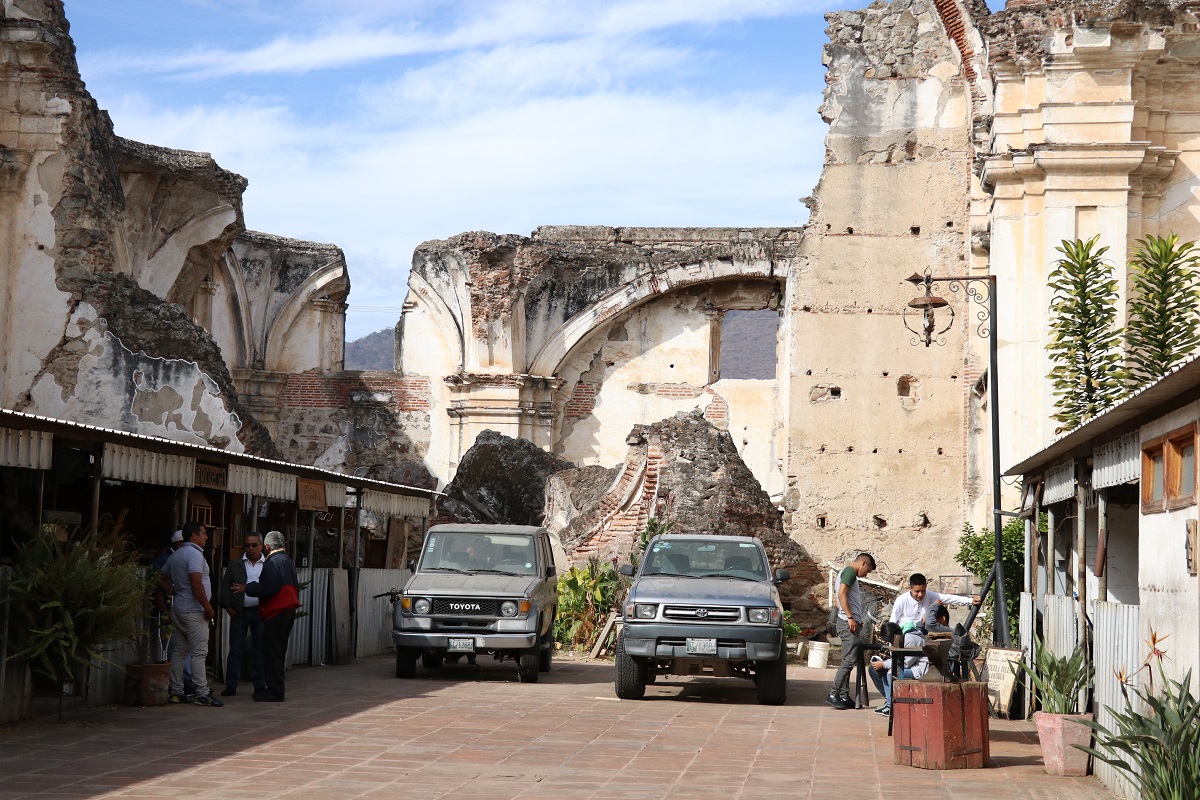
{"type": "Point", "coordinates": [279, 597]}
{"type": "Point", "coordinates": [243, 614]}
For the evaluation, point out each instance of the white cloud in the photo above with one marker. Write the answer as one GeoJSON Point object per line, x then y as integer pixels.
{"type": "Point", "coordinates": [354, 37]}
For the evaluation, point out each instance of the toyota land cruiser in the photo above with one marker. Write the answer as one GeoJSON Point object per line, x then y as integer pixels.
{"type": "Point", "coordinates": [703, 605]}
{"type": "Point", "coordinates": [479, 590]}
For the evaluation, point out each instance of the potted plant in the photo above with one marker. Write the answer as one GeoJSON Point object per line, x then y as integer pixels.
{"type": "Point", "coordinates": [1063, 731]}
{"type": "Point", "coordinates": [1155, 738]}
{"type": "Point", "coordinates": [68, 599]}
{"type": "Point", "coordinates": [147, 681]}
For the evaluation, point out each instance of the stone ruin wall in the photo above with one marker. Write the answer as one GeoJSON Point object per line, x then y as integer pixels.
{"type": "Point", "coordinates": [877, 435]}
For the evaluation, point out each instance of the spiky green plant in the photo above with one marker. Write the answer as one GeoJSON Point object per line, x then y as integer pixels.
{"type": "Point", "coordinates": [1163, 327]}
{"type": "Point", "coordinates": [1085, 341]}
{"type": "Point", "coordinates": [1058, 681]}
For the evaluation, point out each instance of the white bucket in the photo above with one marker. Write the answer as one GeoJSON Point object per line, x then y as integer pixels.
{"type": "Point", "coordinates": [818, 655]}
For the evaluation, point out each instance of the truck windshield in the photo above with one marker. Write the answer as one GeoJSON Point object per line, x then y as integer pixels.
{"type": "Point", "coordinates": [702, 558]}
{"type": "Point", "coordinates": [505, 553]}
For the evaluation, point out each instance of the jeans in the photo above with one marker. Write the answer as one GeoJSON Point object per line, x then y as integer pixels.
{"type": "Point", "coordinates": [883, 681]}
{"type": "Point", "coordinates": [247, 620]}
{"type": "Point", "coordinates": [850, 648]}
{"type": "Point", "coordinates": [193, 628]}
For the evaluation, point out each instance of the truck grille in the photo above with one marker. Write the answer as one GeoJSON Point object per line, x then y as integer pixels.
{"type": "Point", "coordinates": [703, 613]}
{"type": "Point", "coordinates": [465, 607]}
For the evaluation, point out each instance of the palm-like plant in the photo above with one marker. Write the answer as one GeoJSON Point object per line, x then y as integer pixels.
{"type": "Point", "coordinates": [1059, 681]}
{"type": "Point", "coordinates": [1085, 341]}
{"type": "Point", "coordinates": [1163, 328]}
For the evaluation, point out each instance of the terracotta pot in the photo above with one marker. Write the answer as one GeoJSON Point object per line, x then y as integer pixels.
{"type": "Point", "coordinates": [147, 684]}
{"type": "Point", "coordinates": [1058, 733]}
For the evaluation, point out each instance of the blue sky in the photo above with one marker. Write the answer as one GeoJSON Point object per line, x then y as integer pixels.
{"type": "Point", "coordinates": [378, 124]}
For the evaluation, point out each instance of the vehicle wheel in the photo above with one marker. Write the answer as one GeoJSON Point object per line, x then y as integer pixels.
{"type": "Point", "coordinates": [546, 655]}
{"type": "Point", "coordinates": [651, 674]}
{"type": "Point", "coordinates": [631, 674]}
{"type": "Point", "coordinates": [453, 658]}
{"type": "Point", "coordinates": [527, 667]}
{"type": "Point", "coordinates": [770, 678]}
{"type": "Point", "coordinates": [406, 662]}
{"type": "Point", "coordinates": [431, 660]}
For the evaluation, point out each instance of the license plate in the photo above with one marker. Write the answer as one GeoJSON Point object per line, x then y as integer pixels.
{"type": "Point", "coordinates": [460, 645]}
{"type": "Point", "coordinates": [702, 647]}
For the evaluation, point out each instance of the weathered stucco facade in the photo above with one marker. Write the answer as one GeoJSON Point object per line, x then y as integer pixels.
{"type": "Point", "coordinates": [132, 295]}
{"type": "Point", "coordinates": [961, 142]}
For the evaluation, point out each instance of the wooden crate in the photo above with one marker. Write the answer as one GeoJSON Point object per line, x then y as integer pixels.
{"type": "Point", "coordinates": [940, 725]}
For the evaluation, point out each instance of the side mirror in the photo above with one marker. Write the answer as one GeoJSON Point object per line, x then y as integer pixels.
{"type": "Point", "coordinates": [626, 570]}
{"type": "Point", "coordinates": [550, 571]}
{"type": "Point", "coordinates": [412, 565]}
{"type": "Point", "coordinates": [782, 575]}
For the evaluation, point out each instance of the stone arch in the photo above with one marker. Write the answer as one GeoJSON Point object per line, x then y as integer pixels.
{"type": "Point", "coordinates": [642, 289]}
{"type": "Point", "coordinates": [328, 279]}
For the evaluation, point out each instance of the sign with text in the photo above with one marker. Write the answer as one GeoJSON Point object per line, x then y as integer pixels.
{"type": "Point", "coordinates": [310, 495]}
{"type": "Point", "coordinates": [209, 476]}
{"type": "Point", "coordinates": [1002, 678]}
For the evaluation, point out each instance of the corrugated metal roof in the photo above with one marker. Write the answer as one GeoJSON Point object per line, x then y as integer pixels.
{"type": "Point", "coordinates": [21, 419]}
{"type": "Point", "coordinates": [1166, 389]}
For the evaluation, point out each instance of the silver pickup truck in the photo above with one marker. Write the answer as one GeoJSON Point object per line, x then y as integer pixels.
{"type": "Point", "coordinates": [479, 590]}
{"type": "Point", "coordinates": [703, 605]}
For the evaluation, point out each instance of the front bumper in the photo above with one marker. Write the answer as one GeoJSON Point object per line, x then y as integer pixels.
{"type": "Point", "coordinates": [483, 641]}
{"type": "Point", "coordinates": [734, 642]}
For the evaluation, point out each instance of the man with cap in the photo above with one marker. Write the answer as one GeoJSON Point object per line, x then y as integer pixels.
{"type": "Point", "coordinates": [279, 596]}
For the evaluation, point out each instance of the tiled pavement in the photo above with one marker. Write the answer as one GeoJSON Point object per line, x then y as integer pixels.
{"type": "Point", "coordinates": [356, 731]}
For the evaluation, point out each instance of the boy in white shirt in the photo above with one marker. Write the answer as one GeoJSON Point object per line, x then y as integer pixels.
{"type": "Point", "coordinates": [918, 603]}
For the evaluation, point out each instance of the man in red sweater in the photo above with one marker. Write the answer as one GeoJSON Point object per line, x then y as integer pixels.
{"type": "Point", "coordinates": [279, 597]}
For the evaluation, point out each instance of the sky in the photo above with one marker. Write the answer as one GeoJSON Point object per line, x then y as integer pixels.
{"type": "Point", "coordinates": [378, 124]}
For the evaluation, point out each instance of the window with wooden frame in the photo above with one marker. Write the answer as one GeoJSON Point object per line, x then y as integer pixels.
{"type": "Point", "coordinates": [1169, 471]}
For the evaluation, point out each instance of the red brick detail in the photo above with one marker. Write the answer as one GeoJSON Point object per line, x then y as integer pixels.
{"type": "Point", "coordinates": [718, 412]}
{"type": "Point", "coordinates": [676, 391]}
{"type": "Point", "coordinates": [956, 28]}
{"type": "Point", "coordinates": [313, 390]}
{"type": "Point", "coordinates": [582, 402]}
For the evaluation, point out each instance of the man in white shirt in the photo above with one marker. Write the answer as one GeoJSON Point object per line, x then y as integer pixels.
{"type": "Point", "coordinates": [917, 605]}
{"type": "Point", "coordinates": [243, 614]}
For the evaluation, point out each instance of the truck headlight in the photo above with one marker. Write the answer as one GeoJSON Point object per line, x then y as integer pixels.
{"type": "Point", "coordinates": [420, 606]}
{"type": "Point", "coordinates": [508, 608]}
{"type": "Point", "coordinates": [645, 610]}
{"type": "Point", "coordinates": [763, 615]}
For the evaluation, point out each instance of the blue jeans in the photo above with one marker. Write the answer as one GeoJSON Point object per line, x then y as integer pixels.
{"type": "Point", "coordinates": [883, 681]}
{"type": "Point", "coordinates": [248, 620]}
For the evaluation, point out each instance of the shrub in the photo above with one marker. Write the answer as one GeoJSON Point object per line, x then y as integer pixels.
{"type": "Point", "coordinates": [585, 596]}
{"type": "Point", "coordinates": [1058, 680]}
{"type": "Point", "coordinates": [977, 552]}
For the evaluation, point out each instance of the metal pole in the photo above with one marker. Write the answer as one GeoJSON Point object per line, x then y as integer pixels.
{"type": "Point", "coordinates": [97, 480]}
{"type": "Point", "coordinates": [1081, 557]}
{"type": "Point", "coordinates": [1051, 552]}
{"type": "Point", "coordinates": [1000, 630]}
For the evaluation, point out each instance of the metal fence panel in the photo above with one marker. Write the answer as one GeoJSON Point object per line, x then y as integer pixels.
{"type": "Point", "coordinates": [1117, 651]}
{"type": "Point", "coordinates": [1060, 483]}
{"type": "Point", "coordinates": [1028, 620]}
{"type": "Point", "coordinates": [106, 678]}
{"type": "Point", "coordinates": [1060, 625]}
{"type": "Point", "coordinates": [1117, 462]}
{"type": "Point", "coordinates": [374, 615]}
{"type": "Point", "coordinates": [310, 634]}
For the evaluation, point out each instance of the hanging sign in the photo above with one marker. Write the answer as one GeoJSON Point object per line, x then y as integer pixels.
{"type": "Point", "coordinates": [310, 495]}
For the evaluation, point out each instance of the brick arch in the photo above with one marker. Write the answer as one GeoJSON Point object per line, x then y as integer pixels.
{"type": "Point", "coordinates": [642, 289]}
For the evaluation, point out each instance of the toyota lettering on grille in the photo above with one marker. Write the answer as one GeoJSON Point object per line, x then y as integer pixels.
{"type": "Point", "coordinates": [465, 607]}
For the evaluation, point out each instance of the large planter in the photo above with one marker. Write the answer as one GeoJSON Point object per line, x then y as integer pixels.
{"type": "Point", "coordinates": [147, 684]}
{"type": "Point", "coordinates": [1058, 734]}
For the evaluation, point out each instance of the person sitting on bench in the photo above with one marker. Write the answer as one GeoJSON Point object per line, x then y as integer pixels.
{"type": "Point", "coordinates": [881, 668]}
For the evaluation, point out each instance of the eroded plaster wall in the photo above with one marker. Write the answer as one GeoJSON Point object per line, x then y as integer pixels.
{"type": "Point", "coordinates": [877, 425]}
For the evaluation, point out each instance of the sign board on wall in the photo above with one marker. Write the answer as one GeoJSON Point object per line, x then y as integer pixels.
{"type": "Point", "coordinates": [1002, 678]}
{"type": "Point", "coordinates": [310, 495]}
{"type": "Point", "coordinates": [210, 476]}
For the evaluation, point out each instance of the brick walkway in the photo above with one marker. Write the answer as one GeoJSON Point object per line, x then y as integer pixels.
{"type": "Point", "coordinates": [356, 731]}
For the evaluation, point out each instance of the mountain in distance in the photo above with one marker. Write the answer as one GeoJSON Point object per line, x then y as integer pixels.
{"type": "Point", "coordinates": [375, 351]}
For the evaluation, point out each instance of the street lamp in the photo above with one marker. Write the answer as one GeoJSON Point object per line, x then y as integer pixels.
{"type": "Point", "coordinates": [929, 332]}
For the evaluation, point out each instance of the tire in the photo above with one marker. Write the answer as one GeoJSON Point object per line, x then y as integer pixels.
{"type": "Point", "coordinates": [546, 658]}
{"type": "Point", "coordinates": [527, 667]}
{"type": "Point", "coordinates": [770, 678]}
{"type": "Point", "coordinates": [431, 660]}
{"type": "Point", "coordinates": [406, 662]}
{"type": "Point", "coordinates": [631, 674]}
{"type": "Point", "coordinates": [651, 675]}
{"type": "Point", "coordinates": [453, 658]}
